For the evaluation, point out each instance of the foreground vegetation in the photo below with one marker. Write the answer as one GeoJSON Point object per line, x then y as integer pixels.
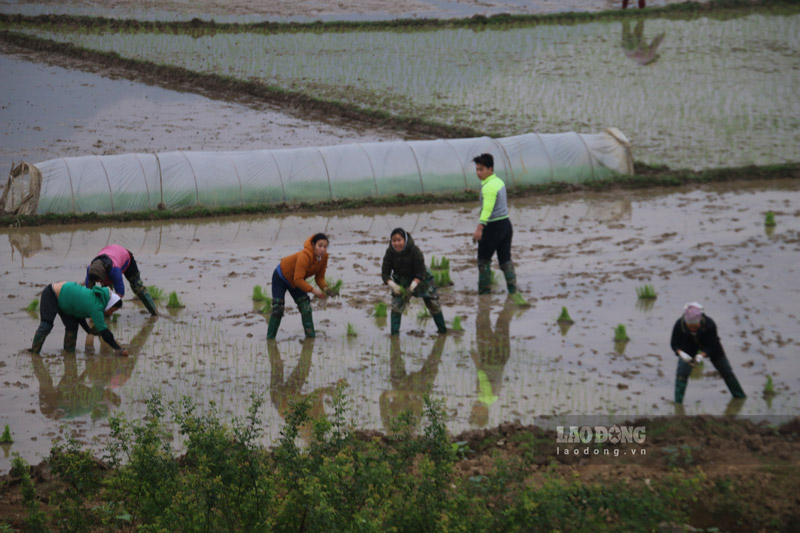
{"type": "Point", "coordinates": [345, 480]}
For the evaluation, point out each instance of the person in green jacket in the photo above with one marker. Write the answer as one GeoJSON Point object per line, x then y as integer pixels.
{"type": "Point", "coordinates": [404, 270]}
{"type": "Point", "coordinates": [494, 231]}
{"type": "Point", "coordinates": [74, 303]}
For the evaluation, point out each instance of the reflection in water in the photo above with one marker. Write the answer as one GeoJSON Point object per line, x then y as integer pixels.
{"type": "Point", "coordinates": [284, 393]}
{"type": "Point", "coordinates": [409, 389]}
{"type": "Point", "coordinates": [93, 391]}
{"type": "Point", "coordinates": [491, 356]}
{"type": "Point", "coordinates": [26, 243]}
{"type": "Point", "coordinates": [635, 45]}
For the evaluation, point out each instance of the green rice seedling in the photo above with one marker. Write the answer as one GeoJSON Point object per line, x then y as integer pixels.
{"type": "Point", "coordinates": [5, 438]}
{"type": "Point", "coordinates": [424, 314]}
{"type": "Point", "coordinates": [620, 334]}
{"type": "Point", "coordinates": [769, 389]}
{"type": "Point", "coordinates": [444, 264]}
{"type": "Point", "coordinates": [493, 278]}
{"type": "Point", "coordinates": [33, 306]}
{"type": "Point", "coordinates": [769, 220]}
{"type": "Point", "coordinates": [380, 310]}
{"type": "Point", "coordinates": [564, 316]}
{"type": "Point", "coordinates": [442, 278]}
{"type": "Point", "coordinates": [334, 286]}
{"type": "Point", "coordinates": [258, 294]}
{"type": "Point", "coordinates": [157, 293]}
{"type": "Point", "coordinates": [646, 292]}
{"type": "Point", "coordinates": [457, 324]}
{"type": "Point", "coordinates": [518, 299]}
{"type": "Point", "coordinates": [434, 263]}
{"type": "Point", "coordinates": [351, 330]}
{"type": "Point", "coordinates": [266, 309]}
{"type": "Point", "coordinates": [174, 302]}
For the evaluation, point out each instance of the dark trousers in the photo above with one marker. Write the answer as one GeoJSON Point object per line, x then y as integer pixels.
{"type": "Point", "coordinates": [48, 309]}
{"type": "Point", "coordinates": [280, 286]}
{"type": "Point", "coordinates": [496, 238]}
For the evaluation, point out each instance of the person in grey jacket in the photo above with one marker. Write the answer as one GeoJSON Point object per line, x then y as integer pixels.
{"type": "Point", "coordinates": [404, 270]}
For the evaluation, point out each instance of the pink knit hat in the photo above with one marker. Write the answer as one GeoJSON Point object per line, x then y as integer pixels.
{"type": "Point", "coordinates": [692, 313]}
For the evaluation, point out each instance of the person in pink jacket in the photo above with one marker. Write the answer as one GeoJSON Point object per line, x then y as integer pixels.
{"type": "Point", "coordinates": [107, 269]}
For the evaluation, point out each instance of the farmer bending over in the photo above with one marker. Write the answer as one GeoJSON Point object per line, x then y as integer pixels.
{"type": "Point", "coordinates": [107, 269]}
{"type": "Point", "coordinates": [404, 270]}
{"type": "Point", "coordinates": [74, 303]}
{"type": "Point", "coordinates": [693, 338]}
{"type": "Point", "coordinates": [494, 230]}
{"type": "Point", "coordinates": [290, 275]}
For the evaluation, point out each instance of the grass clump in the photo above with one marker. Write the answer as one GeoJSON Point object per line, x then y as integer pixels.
{"type": "Point", "coordinates": [351, 330]}
{"type": "Point", "coordinates": [266, 309]}
{"type": "Point", "coordinates": [258, 294]}
{"type": "Point", "coordinates": [424, 314]}
{"type": "Point", "coordinates": [33, 306]}
{"type": "Point", "coordinates": [564, 316]}
{"type": "Point", "coordinates": [769, 219]}
{"type": "Point", "coordinates": [457, 324]}
{"type": "Point", "coordinates": [6, 438]}
{"type": "Point", "coordinates": [646, 292]}
{"type": "Point", "coordinates": [174, 302]}
{"type": "Point", "coordinates": [442, 278]}
{"type": "Point", "coordinates": [156, 292]}
{"type": "Point", "coordinates": [442, 264]}
{"type": "Point", "coordinates": [620, 334]}
{"type": "Point", "coordinates": [380, 310]}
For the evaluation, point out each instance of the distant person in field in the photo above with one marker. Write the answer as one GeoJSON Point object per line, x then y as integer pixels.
{"type": "Point", "coordinates": [291, 274]}
{"type": "Point", "coordinates": [404, 271]}
{"type": "Point", "coordinates": [108, 268]}
{"type": "Point", "coordinates": [625, 4]}
{"type": "Point", "coordinates": [635, 46]}
{"type": "Point", "coordinates": [694, 338]}
{"type": "Point", "coordinates": [494, 230]}
{"type": "Point", "coordinates": [74, 303]}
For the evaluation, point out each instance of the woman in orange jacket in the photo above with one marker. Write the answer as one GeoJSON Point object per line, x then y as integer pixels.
{"type": "Point", "coordinates": [291, 274]}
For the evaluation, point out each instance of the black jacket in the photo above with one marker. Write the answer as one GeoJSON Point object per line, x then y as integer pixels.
{"type": "Point", "coordinates": [407, 264]}
{"type": "Point", "coordinates": [705, 340]}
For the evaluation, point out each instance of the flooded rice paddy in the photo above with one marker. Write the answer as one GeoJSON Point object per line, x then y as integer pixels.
{"type": "Point", "coordinates": [699, 93]}
{"type": "Point", "coordinates": [588, 253]}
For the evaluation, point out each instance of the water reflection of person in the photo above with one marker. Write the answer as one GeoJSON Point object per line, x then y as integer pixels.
{"type": "Point", "coordinates": [635, 45]}
{"type": "Point", "coordinates": [92, 391]}
{"type": "Point", "coordinates": [284, 392]}
{"type": "Point", "coordinates": [491, 356]}
{"type": "Point", "coordinates": [409, 389]}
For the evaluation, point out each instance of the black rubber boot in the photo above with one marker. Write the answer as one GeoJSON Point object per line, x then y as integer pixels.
{"type": "Point", "coordinates": [511, 276]}
{"type": "Point", "coordinates": [680, 390]}
{"type": "Point", "coordinates": [484, 276]}
{"type": "Point", "coordinates": [70, 340]}
{"type": "Point", "coordinates": [141, 291]}
{"type": "Point", "coordinates": [304, 304]}
{"type": "Point", "coordinates": [438, 319]}
{"type": "Point", "coordinates": [41, 334]}
{"type": "Point", "coordinates": [275, 318]}
{"type": "Point", "coordinates": [724, 368]}
{"type": "Point", "coordinates": [396, 319]}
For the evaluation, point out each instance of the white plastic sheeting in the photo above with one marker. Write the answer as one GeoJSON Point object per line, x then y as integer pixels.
{"type": "Point", "coordinates": [172, 180]}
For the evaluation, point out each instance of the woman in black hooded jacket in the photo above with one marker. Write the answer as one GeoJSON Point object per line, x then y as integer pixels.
{"type": "Point", "coordinates": [404, 271]}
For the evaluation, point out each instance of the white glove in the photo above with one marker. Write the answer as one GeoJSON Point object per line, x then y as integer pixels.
{"type": "Point", "coordinates": [395, 287]}
{"type": "Point", "coordinates": [413, 286]}
{"type": "Point", "coordinates": [685, 357]}
{"type": "Point", "coordinates": [698, 359]}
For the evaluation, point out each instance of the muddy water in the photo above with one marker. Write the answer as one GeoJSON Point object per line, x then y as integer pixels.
{"type": "Point", "coordinates": [50, 111]}
{"type": "Point", "coordinates": [588, 254]}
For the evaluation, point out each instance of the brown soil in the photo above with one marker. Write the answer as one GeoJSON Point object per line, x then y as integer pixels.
{"type": "Point", "coordinates": [749, 474]}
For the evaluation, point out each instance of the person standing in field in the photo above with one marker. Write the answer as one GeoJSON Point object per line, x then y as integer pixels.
{"type": "Point", "coordinates": [494, 230]}
{"type": "Point", "coordinates": [291, 274]}
{"type": "Point", "coordinates": [74, 303]}
{"type": "Point", "coordinates": [404, 270]}
{"type": "Point", "coordinates": [695, 337]}
{"type": "Point", "coordinates": [107, 269]}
